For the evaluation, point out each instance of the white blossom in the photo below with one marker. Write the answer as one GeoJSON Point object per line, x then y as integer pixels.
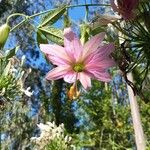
{"type": "Point", "coordinates": [50, 132]}
{"type": "Point", "coordinates": [27, 92]}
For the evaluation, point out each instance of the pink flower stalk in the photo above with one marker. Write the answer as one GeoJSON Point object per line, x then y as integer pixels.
{"type": "Point", "coordinates": [125, 8]}
{"type": "Point", "coordinates": [80, 62]}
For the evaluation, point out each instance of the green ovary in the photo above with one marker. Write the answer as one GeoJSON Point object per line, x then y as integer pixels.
{"type": "Point", "coordinates": [78, 67]}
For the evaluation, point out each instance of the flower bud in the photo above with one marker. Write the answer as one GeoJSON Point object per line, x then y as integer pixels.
{"type": "Point", "coordinates": [4, 32]}
{"type": "Point", "coordinates": [125, 8]}
{"type": "Point", "coordinates": [85, 33]}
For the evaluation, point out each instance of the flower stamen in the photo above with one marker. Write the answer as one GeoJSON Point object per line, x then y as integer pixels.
{"type": "Point", "coordinates": [73, 92]}
{"type": "Point", "coordinates": [78, 67]}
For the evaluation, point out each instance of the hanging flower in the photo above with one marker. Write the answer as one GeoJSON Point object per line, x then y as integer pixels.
{"type": "Point", "coordinates": [80, 62]}
{"type": "Point", "coordinates": [125, 7]}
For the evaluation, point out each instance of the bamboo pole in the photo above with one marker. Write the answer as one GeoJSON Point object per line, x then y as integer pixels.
{"type": "Point", "coordinates": [137, 124]}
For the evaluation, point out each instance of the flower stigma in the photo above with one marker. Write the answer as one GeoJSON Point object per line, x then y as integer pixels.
{"type": "Point", "coordinates": [78, 67]}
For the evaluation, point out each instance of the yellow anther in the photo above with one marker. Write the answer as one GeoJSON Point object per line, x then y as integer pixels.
{"type": "Point", "coordinates": [73, 93]}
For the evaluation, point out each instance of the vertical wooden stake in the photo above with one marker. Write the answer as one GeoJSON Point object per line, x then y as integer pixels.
{"type": "Point", "coordinates": [138, 130]}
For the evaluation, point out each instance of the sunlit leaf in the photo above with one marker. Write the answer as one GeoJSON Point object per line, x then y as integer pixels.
{"type": "Point", "coordinates": [41, 39]}
{"type": "Point", "coordinates": [11, 52]}
{"type": "Point", "coordinates": [52, 34]}
{"type": "Point", "coordinates": [7, 68]}
{"type": "Point", "coordinates": [52, 16]}
{"type": "Point", "coordinates": [97, 30]}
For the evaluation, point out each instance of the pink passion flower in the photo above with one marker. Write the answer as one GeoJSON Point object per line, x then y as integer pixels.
{"type": "Point", "coordinates": [80, 62]}
{"type": "Point", "coordinates": [125, 7]}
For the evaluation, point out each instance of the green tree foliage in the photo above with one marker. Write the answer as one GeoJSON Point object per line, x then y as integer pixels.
{"type": "Point", "coordinates": [107, 122]}
{"type": "Point", "coordinates": [16, 124]}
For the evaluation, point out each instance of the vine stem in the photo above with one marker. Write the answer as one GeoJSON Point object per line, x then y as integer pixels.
{"type": "Point", "coordinates": [15, 14]}
{"type": "Point", "coordinates": [27, 18]}
{"type": "Point", "coordinates": [86, 5]}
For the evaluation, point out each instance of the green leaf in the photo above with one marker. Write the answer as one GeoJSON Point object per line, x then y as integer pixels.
{"type": "Point", "coordinates": [4, 60]}
{"type": "Point", "coordinates": [67, 21]}
{"type": "Point", "coordinates": [11, 53]}
{"type": "Point", "coordinates": [52, 34]}
{"type": "Point", "coordinates": [41, 39]}
{"type": "Point", "coordinates": [6, 70]}
{"type": "Point", "coordinates": [53, 16]}
{"type": "Point", "coordinates": [97, 30]}
{"type": "Point", "coordinates": [85, 32]}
